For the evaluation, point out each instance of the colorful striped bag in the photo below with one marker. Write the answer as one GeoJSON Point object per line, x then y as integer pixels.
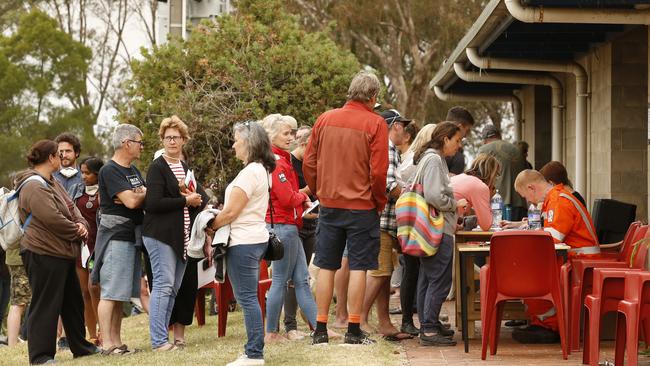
{"type": "Point", "coordinates": [419, 228]}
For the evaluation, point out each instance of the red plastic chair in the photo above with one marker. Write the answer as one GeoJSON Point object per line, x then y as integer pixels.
{"type": "Point", "coordinates": [608, 290]}
{"type": "Point", "coordinates": [581, 281]}
{"type": "Point", "coordinates": [225, 295]}
{"type": "Point", "coordinates": [618, 253]}
{"type": "Point", "coordinates": [519, 262]}
{"type": "Point", "coordinates": [633, 311]}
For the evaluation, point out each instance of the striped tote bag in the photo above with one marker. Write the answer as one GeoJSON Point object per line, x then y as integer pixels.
{"type": "Point", "coordinates": [419, 228]}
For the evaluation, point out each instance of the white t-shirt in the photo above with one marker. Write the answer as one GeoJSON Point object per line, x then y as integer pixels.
{"type": "Point", "coordinates": [250, 226]}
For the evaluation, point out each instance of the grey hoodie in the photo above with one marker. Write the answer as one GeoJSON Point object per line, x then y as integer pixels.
{"type": "Point", "coordinates": [437, 191]}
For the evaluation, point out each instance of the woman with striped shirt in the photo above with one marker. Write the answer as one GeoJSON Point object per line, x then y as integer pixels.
{"type": "Point", "coordinates": [170, 209]}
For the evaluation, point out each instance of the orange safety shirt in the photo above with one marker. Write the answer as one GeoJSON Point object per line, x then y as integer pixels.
{"type": "Point", "coordinates": [567, 220]}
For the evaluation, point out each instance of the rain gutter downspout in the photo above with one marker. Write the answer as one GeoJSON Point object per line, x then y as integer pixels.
{"type": "Point", "coordinates": [571, 67]}
{"type": "Point", "coordinates": [482, 97]}
{"type": "Point", "coordinates": [521, 78]}
{"type": "Point", "coordinates": [532, 14]}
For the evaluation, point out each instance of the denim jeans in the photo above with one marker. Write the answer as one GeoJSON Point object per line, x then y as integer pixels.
{"type": "Point", "coordinates": [168, 271]}
{"type": "Point", "coordinates": [292, 266]}
{"type": "Point", "coordinates": [243, 269]}
{"type": "Point", "coordinates": [434, 283]}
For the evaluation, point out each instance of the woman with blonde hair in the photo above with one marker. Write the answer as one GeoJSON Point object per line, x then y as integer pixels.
{"type": "Point", "coordinates": [476, 185]}
{"type": "Point", "coordinates": [170, 211]}
{"type": "Point", "coordinates": [407, 169]}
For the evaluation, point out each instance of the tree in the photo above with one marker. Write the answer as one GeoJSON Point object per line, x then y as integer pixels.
{"type": "Point", "coordinates": [242, 66]}
{"type": "Point", "coordinates": [41, 84]}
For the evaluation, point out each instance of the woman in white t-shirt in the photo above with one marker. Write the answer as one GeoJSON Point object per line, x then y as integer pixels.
{"type": "Point", "coordinates": [246, 202]}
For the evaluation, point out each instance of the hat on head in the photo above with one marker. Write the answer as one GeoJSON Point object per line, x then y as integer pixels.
{"type": "Point", "coordinates": [392, 115]}
{"type": "Point", "coordinates": [490, 131]}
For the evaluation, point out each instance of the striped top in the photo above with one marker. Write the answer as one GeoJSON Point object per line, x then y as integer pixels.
{"type": "Point", "coordinates": [179, 173]}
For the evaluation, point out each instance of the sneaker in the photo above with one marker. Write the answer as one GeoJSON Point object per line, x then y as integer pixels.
{"type": "Point", "coordinates": [294, 335]}
{"type": "Point", "coordinates": [63, 343]}
{"type": "Point", "coordinates": [410, 328]}
{"type": "Point", "coordinates": [444, 331]}
{"type": "Point", "coordinates": [320, 338]}
{"type": "Point", "coordinates": [535, 334]}
{"type": "Point", "coordinates": [436, 340]}
{"type": "Point", "coordinates": [243, 360]}
{"type": "Point", "coordinates": [363, 339]}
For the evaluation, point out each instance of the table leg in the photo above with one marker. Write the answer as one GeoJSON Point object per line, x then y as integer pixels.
{"type": "Point", "coordinates": [461, 294]}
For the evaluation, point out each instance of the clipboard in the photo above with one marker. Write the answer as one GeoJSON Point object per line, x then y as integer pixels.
{"type": "Point", "coordinates": [314, 205]}
{"type": "Point", "coordinates": [205, 274]}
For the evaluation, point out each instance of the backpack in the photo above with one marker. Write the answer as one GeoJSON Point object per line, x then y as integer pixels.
{"type": "Point", "coordinates": [11, 231]}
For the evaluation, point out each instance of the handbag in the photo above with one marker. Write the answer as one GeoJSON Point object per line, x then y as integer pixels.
{"type": "Point", "coordinates": [419, 227]}
{"type": "Point", "coordinates": [275, 248]}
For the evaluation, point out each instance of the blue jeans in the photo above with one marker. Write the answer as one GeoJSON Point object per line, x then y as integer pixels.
{"type": "Point", "coordinates": [243, 269]}
{"type": "Point", "coordinates": [292, 266]}
{"type": "Point", "coordinates": [168, 271]}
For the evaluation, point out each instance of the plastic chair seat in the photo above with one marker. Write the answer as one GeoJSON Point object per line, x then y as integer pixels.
{"type": "Point", "coordinates": [633, 313]}
{"type": "Point", "coordinates": [517, 258]}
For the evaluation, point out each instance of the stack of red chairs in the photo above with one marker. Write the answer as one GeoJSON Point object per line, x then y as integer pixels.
{"type": "Point", "coordinates": [516, 260]}
{"type": "Point", "coordinates": [225, 295]}
{"type": "Point", "coordinates": [633, 310]}
{"type": "Point", "coordinates": [577, 277]}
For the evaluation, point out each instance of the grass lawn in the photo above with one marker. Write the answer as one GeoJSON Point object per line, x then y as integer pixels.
{"type": "Point", "coordinates": [205, 348]}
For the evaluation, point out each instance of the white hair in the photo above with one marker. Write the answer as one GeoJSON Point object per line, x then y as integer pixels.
{"type": "Point", "coordinates": [124, 132]}
{"type": "Point", "coordinates": [273, 124]}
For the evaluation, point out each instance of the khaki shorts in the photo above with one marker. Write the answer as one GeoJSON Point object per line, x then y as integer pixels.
{"type": "Point", "coordinates": [387, 259]}
{"type": "Point", "coordinates": [21, 294]}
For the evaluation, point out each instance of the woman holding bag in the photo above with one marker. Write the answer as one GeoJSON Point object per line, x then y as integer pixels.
{"type": "Point", "coordinates": [246, 203]}
{"type": "Point", "coordinates": [287, 207]}
{"type": "Point", "coordinates": [435, 271]}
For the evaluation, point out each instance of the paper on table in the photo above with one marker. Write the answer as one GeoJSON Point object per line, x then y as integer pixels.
{"type": "Point", "coordinates": [312, 208]}
{"type": "Point", "coordinates": [205, 274]}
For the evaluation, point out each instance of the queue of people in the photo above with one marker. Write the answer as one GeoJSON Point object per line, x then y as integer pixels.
{"type": "Point", "coordinates": [92, 222]}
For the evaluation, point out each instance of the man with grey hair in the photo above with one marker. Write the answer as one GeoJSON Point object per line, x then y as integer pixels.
{"type": "Point", "coordinates": [345, 165]}
{"type": "Point", "coordinates": [117, 248]}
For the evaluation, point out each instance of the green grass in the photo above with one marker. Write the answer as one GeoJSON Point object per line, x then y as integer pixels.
{"type": "Point", "coordinates": [204, 348]}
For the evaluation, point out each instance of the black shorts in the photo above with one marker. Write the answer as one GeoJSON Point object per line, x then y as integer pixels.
{"type": "Point", "coordinates": [359, 229]}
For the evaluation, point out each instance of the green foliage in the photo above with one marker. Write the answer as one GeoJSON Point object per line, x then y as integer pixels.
{"type": "Point", "coordinates": [42, 81]}
{"type": "Point", "coordinates": [243, 66]}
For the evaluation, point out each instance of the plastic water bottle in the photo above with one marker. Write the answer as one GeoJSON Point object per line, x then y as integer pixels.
{"type": "Point", "coordinates": [534, 217]}
{"type": "Point", "coordinates": [497, 209]}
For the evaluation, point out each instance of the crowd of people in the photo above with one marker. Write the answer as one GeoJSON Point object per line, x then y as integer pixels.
{"type": "Point", "coordinates": [328, 193]}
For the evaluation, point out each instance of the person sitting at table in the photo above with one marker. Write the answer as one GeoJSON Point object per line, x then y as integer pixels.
{"type": "Point", "coordinates": [568, 222]}
{"type": "Point", "coordinates": [556, 173]}
{"type": "Point", "coordinates": [476, 185]}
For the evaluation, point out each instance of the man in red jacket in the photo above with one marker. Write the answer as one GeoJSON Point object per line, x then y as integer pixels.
{"type": "Point", "coordinates": [345, 165]}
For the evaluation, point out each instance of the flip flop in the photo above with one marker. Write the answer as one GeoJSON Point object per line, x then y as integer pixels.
{"type": "Point", "coordinates": [397, 337]}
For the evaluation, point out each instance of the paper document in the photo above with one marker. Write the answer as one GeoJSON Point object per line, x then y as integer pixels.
{"type": "Point", "coordinates": [205, 274]}
{"type": "Point", "coordinates": [311, 209]}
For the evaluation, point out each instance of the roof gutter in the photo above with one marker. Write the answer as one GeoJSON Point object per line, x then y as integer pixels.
{"type": "Point", "coordinates": [571, 67]}
{"type": "Point", "coordinates": [526, 79]}
{"type": "Point", "coordinates": [482, 97]}
{"type": "Point", "coordinates": [532, 14]}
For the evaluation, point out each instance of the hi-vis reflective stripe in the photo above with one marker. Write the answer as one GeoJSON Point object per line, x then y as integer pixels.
{"type": "Point", "coordinates": [582, 214]}
{"type": "Point", "coordinates": [555, 233]}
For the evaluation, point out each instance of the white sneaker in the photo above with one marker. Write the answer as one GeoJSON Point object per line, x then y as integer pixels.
{"type": "Point", "coordinates": [294, 335]}
{"type": "Point", "coordinates": [243, 360]}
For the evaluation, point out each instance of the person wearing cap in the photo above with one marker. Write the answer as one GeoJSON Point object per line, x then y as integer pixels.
{"type": "Point", "coordinates": [352, 194]}
{"type": "Point", "coordinates": [378, 281]}
{"type": "Point", "coordinates": [512, 163]}
{"type": "Point", "coordinates": [464, 120]}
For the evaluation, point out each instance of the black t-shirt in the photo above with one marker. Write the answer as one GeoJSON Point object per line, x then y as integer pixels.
{"type": "Point", "coordinates": [297, 167]}
{"type": "Point", "coordinates": [456, 163]}
{"type": "Point", "coordinates": [113, 179]}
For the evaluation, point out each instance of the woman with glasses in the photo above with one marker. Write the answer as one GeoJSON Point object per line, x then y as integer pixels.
{"type": "Point", "coordinates": [50, 246]}
{"type": "Point", "coordinates": [476, 185]}
{"type": "Point", "coordinates": [288, 205]}
{"type": "Point", "coordinates": [246, 202]}
{"type": "Point", "coordinates": [170, 208]}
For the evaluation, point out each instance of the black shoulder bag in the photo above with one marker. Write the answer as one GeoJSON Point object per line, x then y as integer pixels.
{"type": "Point", "coordinates": [275, 249]}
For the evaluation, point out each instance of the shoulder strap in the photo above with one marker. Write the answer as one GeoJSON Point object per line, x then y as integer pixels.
{"type": "Point", "coordinates": [21, 185]}
{"type": "Point", "coordinates": [270, 201]}
{"type": "Point", "coordinates": [421, 164]}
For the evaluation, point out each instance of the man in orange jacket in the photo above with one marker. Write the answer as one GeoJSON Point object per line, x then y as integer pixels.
{"type": "Point", "coordinates": [568, 222]}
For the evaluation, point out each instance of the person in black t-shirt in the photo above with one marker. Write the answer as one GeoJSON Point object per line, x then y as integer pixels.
{"type": "Point", "coordinates": [117, 249]}
{"type": "Point", "coordinates": [464, 120]}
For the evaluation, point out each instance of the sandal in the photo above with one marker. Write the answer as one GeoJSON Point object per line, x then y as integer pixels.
{"type": "Point", "coordinates": [397, 337]}
{"type": "Point", "coordinates": [166, 348]}
{"type": "Point", "coordinates": [113, 351]}
{"type": "Point", "coordinates": [180, 343]}
{"type": "Point", "coordinates": [126, 350]}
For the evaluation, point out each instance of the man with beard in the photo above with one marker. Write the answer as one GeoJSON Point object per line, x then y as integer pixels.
{"type": "Point", "coordinates": [69, 175]}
